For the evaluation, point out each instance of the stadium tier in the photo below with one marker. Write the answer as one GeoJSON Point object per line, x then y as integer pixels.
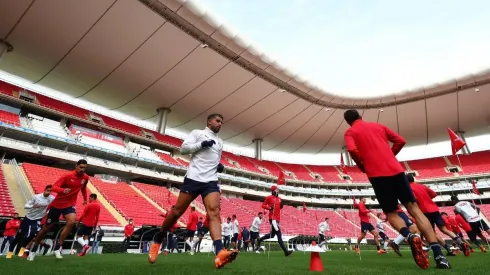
{"type": "Point", "coordinates": [300, 171]}
{"type": "Point", "coordinates": [430, 168]}
{"type": "Point", "coordinates": [129, 203]}
{"type": "Point", "coordinates": [10, 118]}
{"type": "Point", "coordinates": [476, 163]}
{"type": "Point", "coordinates": [168, 159]}
{"type": "Point", "coordinates": [328, 173]}
{"type": "Point", "coordinates": [243, 163]}
{"type": "Point", "coordinates": [6, 206]}
{"type": "Point", "coordinates": [40, 176]}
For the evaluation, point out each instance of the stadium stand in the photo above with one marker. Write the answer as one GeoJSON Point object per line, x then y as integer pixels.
{"type": "Point", "coordinates": [243, 163]}
{"type": "Point", "coordinates": [7, 89]}
{"type": "Point", "coordinates": [6, 205]}
{"type": "Point", "coordinates": [129, 203]}
{"type": "Point", "coordinates": [47, 126]}
{"type": "Point", "coordinates": [168, 159]}
{"type": "Point", "coordinates": [10, 118]}
{"type": "Point", "coordinates": [328, 173]}
{"type": "Point", "coordinates": [40, 176]}
{"type": "Point", "coordinates": [429, 168]}
{"type": "Point", "coordinates": [300, 171]}
{"type": "Point", "coordinates": [476, 163]}
{"type": "Point", "coordinates": [62, 107]}
{"type": "Point", "coordinates": [356, 175]}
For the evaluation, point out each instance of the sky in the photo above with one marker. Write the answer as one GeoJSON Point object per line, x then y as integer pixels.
{"type": "Point", "coordinates": [361, 48]}
{"type": "Point", "coordinates": [352, 48]}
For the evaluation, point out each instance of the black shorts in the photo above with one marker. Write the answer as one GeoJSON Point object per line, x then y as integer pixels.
{"type": "Point", "coordinates": [203, 231]}
{"type": "Point", "coordinates": [471, 235]}
{"type": "Point", "coordinates": [85, 230]}
{"type": "Point", "coordinates": [405, 218]}
{"type": "Point", "coordinates": [435, 218]}
{"type": "Point", "coordinates": [383, 236]}
{"type": "Point", "coordinates": [321, 238]}
{"type": "Point", "coordinates": [197, 188]}
{"type": "Point", "coordinates": [190, 233]}
{"type": "Point", "coordinates": [30, 228]}
{"type": "Point", "coordinates": [390, 190]}
{"type": "Point", "coordinates": [234, 239]}
{"type": "Point", "coordinates": [479, 226]}
{"type": "Point", "coordinates": [366, 227]}
{"type": "Point", "coordinates": [254, 235]}
{"type": "Point", "coordinates": [55, 213]}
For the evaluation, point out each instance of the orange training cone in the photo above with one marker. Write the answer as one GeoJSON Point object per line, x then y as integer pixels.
{"type": "Point", "coordinates": [316, 263]}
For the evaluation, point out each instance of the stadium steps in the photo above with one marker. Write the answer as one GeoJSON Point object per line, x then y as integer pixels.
{"type": "Point", "coordinates": [313, 173]}
{"type": "Point", "coordinates": [407, 167]}
{"type": "Point", "coordinates": [103, 201]}
{"type": "Point", "coordinates": [448, 163]}
{"type": "Point", "coordinates": [151, 201]}
{"type": "Point", "coordinates": [25, 179]}
{"type": "Point", "coordinates": [16, 196]}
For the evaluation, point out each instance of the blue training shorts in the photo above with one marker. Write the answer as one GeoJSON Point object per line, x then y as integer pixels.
{"type": "Point", "coordinates": [197, 188]}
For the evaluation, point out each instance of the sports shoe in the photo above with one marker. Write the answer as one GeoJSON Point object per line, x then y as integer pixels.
{"type": "Point", "coordinates": [381, 251]}
{"type": "Point", "coordinates": [395, 248]}
{"type": "Point", "coordinates": [225, 257]}
{"type": "Point", "coordinates": [21, 252]}
{"type": "Point", "coordinates": [46, 249]}
{"type": "Point", "coordinates": [465, 247]}
{"type": "Point", "coordinates": [416, 245]}
{"type": "Point", "coordinates": [442, 262]}
{"type": "Point", "coordinates": [84, 250]}
{"type": "Point", "coordinates": [288, 253]}
{"type": "Point", "coordinates": [9, 255]}
{"type": "Point", "coordinates": [31, 256]}
{"type": "Point", "coordinates": [450, 254]}
{"type": "Point", "coordinates": [191, 252]}
{"type": "Point", "coordinates": [24, 256]}
{"type": "Point", "coordinates": [153, 254]}
{"type": "Point", "coordinates": [358, 251]}
{"type": "Point", "coordinates": [482, 248]}
{"type": "Point", "coordinates": [57, 254]}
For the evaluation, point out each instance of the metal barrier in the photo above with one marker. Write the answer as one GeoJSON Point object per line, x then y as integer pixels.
{"type": "Point", "coordinates": [20, 180]}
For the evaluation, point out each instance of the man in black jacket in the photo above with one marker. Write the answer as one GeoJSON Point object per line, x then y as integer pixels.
{"type": "Point", "coordinates": [97, 235]}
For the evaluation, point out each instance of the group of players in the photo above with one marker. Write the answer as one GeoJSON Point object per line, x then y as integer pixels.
{"type": "Point", "coordinates": [367, 143]}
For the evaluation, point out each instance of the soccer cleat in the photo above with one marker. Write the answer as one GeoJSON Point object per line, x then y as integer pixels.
{"type": "Point", "coordinates": [192, 253]}
{"type": "Point", "coordinates": [358, 251]}
{"type": "Point", "coordinates": [482, 248]}
{"type": "Point", "coordinates": [465, 247]}
{"type": "Point", "coordinates": [153, 254]}
{"type": "Point", "coordinates": [57, 254]}
{"type": "Point", "coordinates": [381, 251]}
{"type": "Point", "coordinates": [288, 253]}
{"type": "Point", "coordinates": [31, 257]}
{"type": "Point", "coordinates": [9, 255]}
{"type": "Point", "coordinates": [418, 253]}
{"type": "Point", "coordinates": [21, 252]}
{"type": "Point", "coordinates": [24, 256]}
{"type": "Point", "coordinates": [84, 251]}
{"type": "Point", "coordinates": [225, 257]}
{"type": "Point", "coordinates": [442, 262]}
{"type": "Point", "coordinates": [395, 248]}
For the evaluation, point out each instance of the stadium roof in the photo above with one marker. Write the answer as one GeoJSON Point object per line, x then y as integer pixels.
{"type": "Point", "coordinates": [136, 56]}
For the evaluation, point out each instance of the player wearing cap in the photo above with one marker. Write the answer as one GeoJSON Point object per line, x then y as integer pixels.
{"type": "Point", "coordinates": [273, 204]}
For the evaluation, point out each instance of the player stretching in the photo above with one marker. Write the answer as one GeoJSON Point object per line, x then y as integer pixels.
{"type": "Point", "coordinates": [205, 148]}
{"type": "Point", "coordinates": [461, 222]}
{"type": "Point", "coordinates": [424, 196]}
{"type": "Point", "coordinates": [322, 228]}
{"type": "Point", "coordinates": [67, 187]}
{"type": "Point", "coordinates": [366, 226]}
{"type": "Point", "coordinates": [36, 209]}
{"type": "Point", "coordinates": [191, 230]}
{"type": "Point", "coordinates": [89, 220]}
{"type": "Point", "coordinates": [255, 229]}
{"type": "Point", "coordinates": [471, 213]}
{"type": "Point", "coordinates": [368, 144]}
{"type": "Point", "coordinates": [274, 205]}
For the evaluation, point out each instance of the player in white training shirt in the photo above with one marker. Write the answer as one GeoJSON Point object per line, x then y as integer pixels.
{"type": "Point", "coordinates": [235, 228]}
{"type": "Point", "coordinates": [322, 228]}
{"type": "Point", "coordinates": [385, 240]}
{"type": "Point", "coordinates": [471, 213]}
{"type": "Point", "coordinates": [255, 229]}
{"type": "Point", "coordinates": [227, 232]}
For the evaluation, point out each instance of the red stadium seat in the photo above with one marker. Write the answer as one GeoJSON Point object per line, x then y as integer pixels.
{"type": "Point", "coordinates": [9, 118]}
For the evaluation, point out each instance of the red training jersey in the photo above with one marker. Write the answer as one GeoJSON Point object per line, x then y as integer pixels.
{"type": "Point", "coordinates": [454, 224]}
{"type": "Point", "coordinates": [368, 145]}
{"type": "Point", "coordinates": [90, 216]}
{"type": "Point", "coordinates": [11, 228]}
{"type": "Point", "coordinates": [363, 212]}
{"type": "Point", "coordinates": [75, 183]}
{"type": "Point", "coordinates": [424, 196]}
{"type": "Point", "coordinates": [463, 223]}
{"type": "Point", "coordinates": [273, 201]}
{"type": "Point", "coordinates": [449, 226]}
{"type": "Point", "coordinates": [128, 230]}
{"type": "Point", "coordinates": [192, 221]}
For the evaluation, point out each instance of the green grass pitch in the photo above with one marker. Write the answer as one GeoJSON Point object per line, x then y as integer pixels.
{"type": "Point", "coordinates": [336, 262]}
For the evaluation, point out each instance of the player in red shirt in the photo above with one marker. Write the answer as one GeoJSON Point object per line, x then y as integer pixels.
{"type": "Point", "coordinates": [191, 229]}
{"type": "Point", "coordinates": [273, 204]}
{"type": "Point", "coordinates": [202, 232]}
{"type": "Point", "coordinates": [67, 188]}
{"type": "Point", "coordinates": [89, 220]}
{"type": "Point", "coordinates": [424, 196]}
{"type": "Point", "coordinates": [128, 232]}
{"type": "Point", "coordinates": [368, 143]}
{"type": "Point", "coordinates": [461, 222]}
{"type": "Point", "coordinates": [10, 231]}
{"type": "Point", "coordinates": [366, 226]}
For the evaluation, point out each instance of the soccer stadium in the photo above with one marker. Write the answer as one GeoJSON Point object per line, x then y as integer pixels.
{"type": "Point", "coordinates": [121, 90]}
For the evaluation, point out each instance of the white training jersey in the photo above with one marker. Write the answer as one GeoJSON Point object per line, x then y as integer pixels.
{"type": "Point", "coordinates": [227, 229]}
{"type": "Point", "coordinates": [204, 161]}
{"type": "Point", "coordinates": [235, 226]}
{"type": "Point", "coordinates": [322, 227]}
{"type": "Point", "coordinates": [41, 202]}
{"type": "Point", "coordinates": [380, 226]}
{"type": "Point", "coordinates": [466, 209]}
{"type": "Point", "coordinates": [256, 225]}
